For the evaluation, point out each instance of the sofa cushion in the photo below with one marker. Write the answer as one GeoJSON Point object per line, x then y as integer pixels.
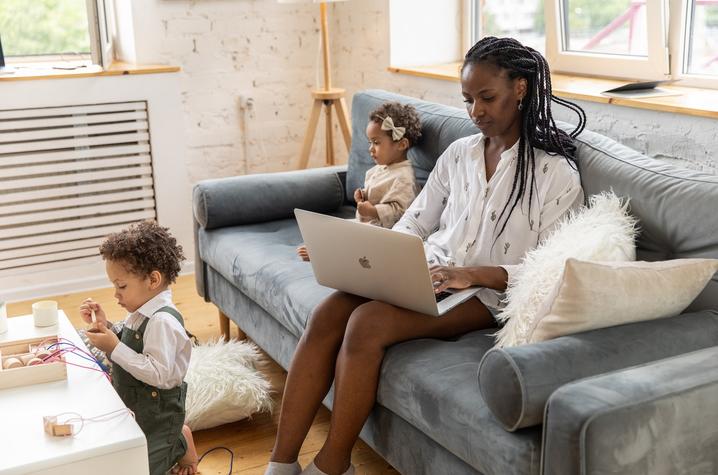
{"type": "Point", "coordinates": [429, 384]}
{"type": "Point", "coordinates": [530, 373]}
{"type": "Point", "coordinates": [261, 260]}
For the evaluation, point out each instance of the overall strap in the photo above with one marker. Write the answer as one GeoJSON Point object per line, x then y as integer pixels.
{"type": "Point", "coordinates": [172, 311]}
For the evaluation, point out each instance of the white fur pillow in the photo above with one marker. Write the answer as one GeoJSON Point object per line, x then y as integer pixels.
{"type": "Point", "coordinates": [602, 232]}
{"type": "Point", "coordinates": [224, 384]}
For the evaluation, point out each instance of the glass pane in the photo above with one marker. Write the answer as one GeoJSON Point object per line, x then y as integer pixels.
{"type": "Point", "coordinates": [703, 36]}
{"type": "Point", "coordinates": [520, 19]}
{"type": "Point", "coordinates": [38, 27]}
{"type": "Point", "coordinates": [607, 26]}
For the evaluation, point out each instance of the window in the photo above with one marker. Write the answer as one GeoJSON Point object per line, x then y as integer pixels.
{"type": "Point", "coordinates": [56, 30]}
{"type": "Point", "coordinates": [701, 46]}
{"type": "Point", "coordinates": [520, 19]}
{"type": "Point", "coordinates": [621, 38]}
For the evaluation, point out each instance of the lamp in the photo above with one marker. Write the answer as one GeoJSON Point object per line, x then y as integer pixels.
{"type": "Point", "coordinates": [328, 97]}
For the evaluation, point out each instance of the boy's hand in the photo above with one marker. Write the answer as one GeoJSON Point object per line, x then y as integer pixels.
{"type": "Point", "coordinates": [86, 308]}
{"type": "Point", "coordinates": [367, 210]}
{"type": "Point", "coordinates": [358, 195]}
{"type": "Point", "coordinates": [103, 338]}
{"type": "Point", "coordinates": [303, 253]}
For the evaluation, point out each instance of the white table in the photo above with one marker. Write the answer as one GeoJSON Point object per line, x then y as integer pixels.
{"type": "Point", "coordinates": [117, 446]}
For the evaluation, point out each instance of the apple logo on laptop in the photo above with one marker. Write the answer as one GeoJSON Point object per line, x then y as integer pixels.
{"type": "Point", "coordinates": [364, 262]}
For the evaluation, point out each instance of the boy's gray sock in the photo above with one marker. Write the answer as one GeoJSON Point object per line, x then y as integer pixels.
{"type": "Point", "coordinates": [278, 468]}
{"type": "Point", "coordinates": [313, 470]}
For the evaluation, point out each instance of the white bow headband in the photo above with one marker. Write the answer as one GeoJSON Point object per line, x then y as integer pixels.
{"type": "Point", "coordinates": [397, 133]}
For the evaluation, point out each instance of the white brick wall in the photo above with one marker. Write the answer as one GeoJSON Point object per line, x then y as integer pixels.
{"type": "Point", "coordinates": [269, 52]}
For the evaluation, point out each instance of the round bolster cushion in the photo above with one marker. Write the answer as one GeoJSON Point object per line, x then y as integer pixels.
{"type": "Point", "coordinates": [265, 197]}
{"type": "Point", "coordinates": [516, 382]}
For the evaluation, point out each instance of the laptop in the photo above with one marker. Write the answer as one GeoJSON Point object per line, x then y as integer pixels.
{"type": "Point", "coordinates": [374, 262]}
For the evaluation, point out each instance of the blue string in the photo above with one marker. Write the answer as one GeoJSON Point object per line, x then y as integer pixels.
{"type": "Point", "coordinates": [81, 355]}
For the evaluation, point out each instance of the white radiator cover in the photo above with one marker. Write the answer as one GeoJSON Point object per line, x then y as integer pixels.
{"type": "Point", "coordinates": [81, 158]}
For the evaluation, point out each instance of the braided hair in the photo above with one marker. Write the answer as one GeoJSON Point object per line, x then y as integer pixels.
{"type": "Point", "coordinates": [538, 128]}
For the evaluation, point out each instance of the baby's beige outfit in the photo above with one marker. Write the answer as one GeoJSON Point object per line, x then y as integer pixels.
{"type": "Point", "coordinates": [391, 189]}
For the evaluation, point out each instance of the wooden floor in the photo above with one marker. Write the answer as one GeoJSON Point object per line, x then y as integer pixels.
{"type": "Point", "coordinates": [250, 440]}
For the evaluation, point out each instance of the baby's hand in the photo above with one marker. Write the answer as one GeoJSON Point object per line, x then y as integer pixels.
{"type": "Point", "coordinates": [367, 210]}
{"type": "Point", "coordinates": [86, 309]}
{"type": "Point", "coordinates": [358, 195]}
{"type": "Point", "coordinates": [303, 253]}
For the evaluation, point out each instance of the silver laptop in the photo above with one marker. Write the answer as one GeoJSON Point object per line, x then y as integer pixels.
{"type": "Point", "coordinates": [373, 262]}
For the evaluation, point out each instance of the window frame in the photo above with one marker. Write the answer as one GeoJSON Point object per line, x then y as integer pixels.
{"type": "Point", "coordinates": [679, 42]}
{"type": "Point", "coordinates": [654, 66]}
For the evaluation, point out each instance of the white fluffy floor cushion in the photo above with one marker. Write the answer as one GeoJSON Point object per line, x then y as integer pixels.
{"type": "Point", "coordinates": [224, 384]}
{"type": "Point", "coordinates": [602, 232]}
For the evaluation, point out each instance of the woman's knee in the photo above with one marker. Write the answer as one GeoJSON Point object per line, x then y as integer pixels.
{"type": "Point", "coordinates": [328, 321]}
{"type": "Point", "coordinates": [364, 329]}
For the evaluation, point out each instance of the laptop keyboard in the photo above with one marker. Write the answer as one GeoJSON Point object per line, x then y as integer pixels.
{"type": "Point", "coordinates": [442, 295]}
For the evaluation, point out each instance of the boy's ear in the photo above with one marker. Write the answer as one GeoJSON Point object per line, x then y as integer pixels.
{"type": "Point", "coordinates": [155, 279]}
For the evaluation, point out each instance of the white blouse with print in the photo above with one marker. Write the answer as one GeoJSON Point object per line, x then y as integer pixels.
{"type": "Point", "coordinates": [457, 211]}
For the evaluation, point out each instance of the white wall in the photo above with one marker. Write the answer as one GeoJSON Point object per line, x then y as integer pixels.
{"type": "Point", "coordinates": [425, 32]}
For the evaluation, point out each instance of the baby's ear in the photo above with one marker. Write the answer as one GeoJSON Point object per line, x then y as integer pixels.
{"type": "Point", "coordinates": [404, 144]}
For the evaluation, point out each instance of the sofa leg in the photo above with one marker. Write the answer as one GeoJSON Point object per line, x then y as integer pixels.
{"type": "Point", "coordinates": [224, 325]}
{"type": "Point", "coordinates": [224, 328]}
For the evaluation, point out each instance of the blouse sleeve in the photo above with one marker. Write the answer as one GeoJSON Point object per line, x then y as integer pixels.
{"type": "Point", "coordinates": [422, 217]}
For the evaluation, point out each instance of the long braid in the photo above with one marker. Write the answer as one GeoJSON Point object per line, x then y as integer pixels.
{"type": "Point", "coordinates": [538, 127]}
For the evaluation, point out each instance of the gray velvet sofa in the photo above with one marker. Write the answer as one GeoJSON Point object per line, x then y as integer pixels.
{"type": "Point", "coordinates": [639, 398]}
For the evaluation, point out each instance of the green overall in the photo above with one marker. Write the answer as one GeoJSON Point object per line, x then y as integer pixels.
{"type": "Point", "coordinates": [159, 412]}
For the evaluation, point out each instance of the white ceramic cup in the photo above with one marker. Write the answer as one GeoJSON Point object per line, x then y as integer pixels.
{"type": "Point", "coordinates": [44, 313]}
{"type": "Point", "coordinates": [3, 317]}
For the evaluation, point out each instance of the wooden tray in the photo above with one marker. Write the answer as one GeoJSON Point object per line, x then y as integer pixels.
{"type": "Point", "coordinates": [26, 375]}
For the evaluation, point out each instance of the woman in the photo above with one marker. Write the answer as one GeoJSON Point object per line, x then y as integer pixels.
{"type": "Point", "coordinates": [490, 198]}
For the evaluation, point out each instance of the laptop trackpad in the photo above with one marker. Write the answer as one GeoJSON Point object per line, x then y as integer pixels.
{"type": "Point", "coordinates": [455, 298]}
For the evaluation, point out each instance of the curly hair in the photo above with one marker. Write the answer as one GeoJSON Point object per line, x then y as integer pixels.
{"type": "Point", "coordinates": [403, 116]}
{"type": "Point", "coordinates": [145, 247]}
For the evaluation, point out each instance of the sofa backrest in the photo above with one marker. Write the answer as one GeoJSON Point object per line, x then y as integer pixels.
{"type": "Point", "coordinates": [674, 205]}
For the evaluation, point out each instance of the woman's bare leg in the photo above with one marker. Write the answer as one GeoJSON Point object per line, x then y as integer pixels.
{"type": "Point", "coordinates": [372, 328]}
{"type": "Point", "coordinates": [311, 372]}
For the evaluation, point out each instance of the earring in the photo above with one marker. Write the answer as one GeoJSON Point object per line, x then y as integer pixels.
{"type": "Point", "coordinates": [521, 103]}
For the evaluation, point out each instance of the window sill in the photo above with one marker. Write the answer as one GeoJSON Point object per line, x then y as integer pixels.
{"type": "Point", "coordinates": [117, 68]}
{"type": "Point", "coordinates": [691, 101]}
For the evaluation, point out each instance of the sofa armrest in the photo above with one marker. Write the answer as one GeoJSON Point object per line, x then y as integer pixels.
{"type": "Point", "coordinates": [516, 382]}
{"type": "Point", "coordinates": [267, 197]}
{"type": "Point", "coordinates": [660, 417]}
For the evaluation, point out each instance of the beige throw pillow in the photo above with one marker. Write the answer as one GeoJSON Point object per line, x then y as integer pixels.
{"type": "Point", "coordinates": [593, 295]}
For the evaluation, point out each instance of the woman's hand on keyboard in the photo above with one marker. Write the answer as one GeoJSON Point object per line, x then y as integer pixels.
{"type": "Point", "coordinates": [450, 278]}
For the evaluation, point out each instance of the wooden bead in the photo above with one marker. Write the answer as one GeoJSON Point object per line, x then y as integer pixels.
{"type": "Point", "coordinates": [11, 363]}
{"type": "Point", "coordinates": [26, 358]}
{"type": "Point", "coordinates": [43, 354]}
{"type": "Point", "coordinates": [34, 362]}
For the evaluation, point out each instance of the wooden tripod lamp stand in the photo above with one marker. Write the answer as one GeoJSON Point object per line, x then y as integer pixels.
{"type": "Point", "coordinates": [328, 97]}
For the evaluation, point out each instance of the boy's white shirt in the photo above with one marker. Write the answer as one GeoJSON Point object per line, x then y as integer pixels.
{"type": "Point", "coordinates": [167, 348]}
